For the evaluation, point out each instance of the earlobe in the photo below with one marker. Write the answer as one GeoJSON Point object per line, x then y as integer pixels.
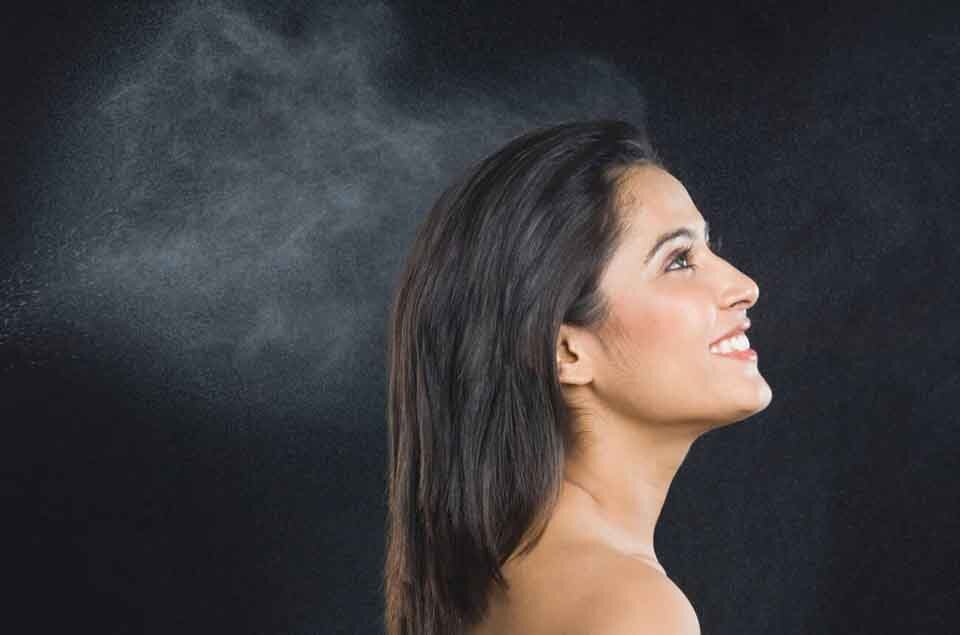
{"type": "Point", "coordinates": [572, 365]}
{"type": "Point", "coordinates": [571, 369]}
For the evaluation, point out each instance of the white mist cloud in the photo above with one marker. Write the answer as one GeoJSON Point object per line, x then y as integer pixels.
{"type": "Point", "coordinates": [256, 194]}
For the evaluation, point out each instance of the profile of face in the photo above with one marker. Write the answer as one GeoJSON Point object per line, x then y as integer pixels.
{"type": "Point", "coordinates": [651, 361]}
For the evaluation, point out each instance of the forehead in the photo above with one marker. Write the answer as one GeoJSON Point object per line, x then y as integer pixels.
{"type": "Point", "coordinates": [653, 200]}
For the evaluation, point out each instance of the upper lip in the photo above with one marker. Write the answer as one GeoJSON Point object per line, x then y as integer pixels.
{"type": "Point", "coordinates": [739, 328]}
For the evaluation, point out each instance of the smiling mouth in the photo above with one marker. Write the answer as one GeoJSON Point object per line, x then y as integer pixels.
{"type": "Point", "coordinates": [735, 347]}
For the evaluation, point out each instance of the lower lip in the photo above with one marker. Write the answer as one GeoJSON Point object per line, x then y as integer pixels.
{"type": "Point", "coordinates": [748, 355]}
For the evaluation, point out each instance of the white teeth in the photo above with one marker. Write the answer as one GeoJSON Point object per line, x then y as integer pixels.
{"type": "Point", "coordinates": [738, 342]}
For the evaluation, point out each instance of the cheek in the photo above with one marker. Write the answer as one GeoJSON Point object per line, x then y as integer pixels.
{"type": "Point", "coordinates": [669, 327]}
{"type": "Point", "coordinates": [659, 360]}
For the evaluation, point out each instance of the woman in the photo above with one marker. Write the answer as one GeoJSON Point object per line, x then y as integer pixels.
{"type": "Point", "coordinates": [551, 361]}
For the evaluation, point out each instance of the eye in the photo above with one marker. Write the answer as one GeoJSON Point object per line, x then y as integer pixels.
{"type": "Point", "coordinates": [683, 255]}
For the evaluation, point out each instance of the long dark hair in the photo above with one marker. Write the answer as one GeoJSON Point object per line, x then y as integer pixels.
{"type": "Point", "coordinates": [478, 430]}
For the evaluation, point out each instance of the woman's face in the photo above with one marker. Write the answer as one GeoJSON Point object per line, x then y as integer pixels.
{"type": "Point", "coordinates": [652, 360]}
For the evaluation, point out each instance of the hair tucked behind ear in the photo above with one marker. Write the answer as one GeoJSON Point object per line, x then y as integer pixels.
{"type": "Point", "coordinates": [477, 428]}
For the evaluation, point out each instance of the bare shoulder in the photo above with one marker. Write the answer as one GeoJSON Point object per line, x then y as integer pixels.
{"type": "Point", "coordinates": [636, 599]}
{"type": "Point", "coordinates": [579, 589]}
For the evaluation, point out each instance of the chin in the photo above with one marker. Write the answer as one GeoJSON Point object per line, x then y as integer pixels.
{"type": "Point", "coordinates": [745, 411]}
{"type": "Point", "coordinates": [757, 401]}
{"type": "Point", "coordinates": [766, 396]}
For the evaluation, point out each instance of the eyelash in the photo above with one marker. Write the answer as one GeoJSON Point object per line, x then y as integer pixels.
{"type": "Point", "coordinates": [685, 255]}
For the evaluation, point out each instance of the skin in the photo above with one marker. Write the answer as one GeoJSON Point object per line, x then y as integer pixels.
{"type": "Point", "coordinates": [647, 387]}
{"type": "Point", "coordinates": [647, 380]}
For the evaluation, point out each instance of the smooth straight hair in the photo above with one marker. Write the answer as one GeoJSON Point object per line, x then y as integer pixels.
{"type": "Point", "coordinates": [478, 431]}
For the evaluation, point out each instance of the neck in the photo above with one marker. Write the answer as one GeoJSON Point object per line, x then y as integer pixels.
{"type": "Point", "coordinates": [620, 480]}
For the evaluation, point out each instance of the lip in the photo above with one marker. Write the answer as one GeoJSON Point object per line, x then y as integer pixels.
{"type": "Point", "coordinates": [748, 355]}
{"type": "Point", "coordinates": [739, 328]}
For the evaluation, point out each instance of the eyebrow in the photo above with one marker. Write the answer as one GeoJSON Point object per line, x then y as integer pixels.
{"type": "Point", "coordinates": [676, 233]}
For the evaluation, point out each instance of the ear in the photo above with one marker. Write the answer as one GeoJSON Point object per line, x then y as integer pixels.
{"type": "Point", "coordinates": [573, 361]}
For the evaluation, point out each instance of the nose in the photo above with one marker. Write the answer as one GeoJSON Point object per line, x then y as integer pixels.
{"type": "Point", "coordinates": [739, 289]}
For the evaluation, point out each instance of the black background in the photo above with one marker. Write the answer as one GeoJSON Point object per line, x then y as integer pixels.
{"type": "Point", "coordinates": [170, 468]}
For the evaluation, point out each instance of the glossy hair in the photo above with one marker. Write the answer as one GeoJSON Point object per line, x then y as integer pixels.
{"type": "Point", "coordinates": [477, 427]}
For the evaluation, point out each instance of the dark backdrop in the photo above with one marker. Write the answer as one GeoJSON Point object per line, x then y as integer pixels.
{"type": "Point", "coordinates": [205, 209]}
